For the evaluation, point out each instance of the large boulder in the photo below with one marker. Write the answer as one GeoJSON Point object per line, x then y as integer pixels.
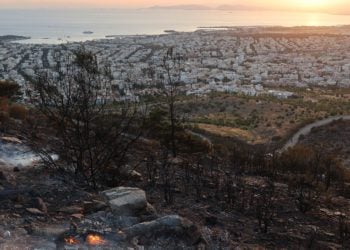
{"type": "Point", "coordinates": [127, 201]}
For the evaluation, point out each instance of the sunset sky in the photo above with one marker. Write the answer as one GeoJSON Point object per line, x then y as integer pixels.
{"type": "Point", "coordinates": [314, 5]}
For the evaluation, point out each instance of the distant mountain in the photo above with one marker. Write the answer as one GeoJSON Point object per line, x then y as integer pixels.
{"type": "Point", "coordinates": [204, 7]}
{"type": "Point", "coordinates": [182, 7]}
{"type": "Point", "coordinates": [237, 7]}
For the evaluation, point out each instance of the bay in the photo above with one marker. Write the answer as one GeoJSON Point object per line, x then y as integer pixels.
{"type": "Point", "coordinates": [69, 25]}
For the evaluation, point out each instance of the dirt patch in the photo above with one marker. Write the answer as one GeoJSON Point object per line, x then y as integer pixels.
{"type": "Point", "coordinates": [231, 132]}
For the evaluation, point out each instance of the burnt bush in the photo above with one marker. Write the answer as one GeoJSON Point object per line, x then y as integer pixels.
{"type": "Point", "coordinates": [9, 89]}
{"type": "Point", "coordinates": [305, 194]}
{"type": "Point", "coordinates": [265, 206]}
{"type": "Point", "coordinates": [17, 111]}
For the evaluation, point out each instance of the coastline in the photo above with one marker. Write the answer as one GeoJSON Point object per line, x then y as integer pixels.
{"type": "Point", "coordinates": [106, 23]}
{"type": "Point", "coordinates": [11, 38]}
{"type": "Point", "coordinates": [95, 36]}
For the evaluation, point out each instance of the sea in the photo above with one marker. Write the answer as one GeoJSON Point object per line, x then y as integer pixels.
{"type": "Point", "coordinates": [69, 25]}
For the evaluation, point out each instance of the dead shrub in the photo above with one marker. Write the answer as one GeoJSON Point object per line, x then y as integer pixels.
{"type": "Point", "coordinates": [4, 104]}
{"type": "Point", "coordinates": [8, 89]}
{"type": "Point", "coordinates": [17, 111]}
{"type": "Point", "coordinates": [4, 117]}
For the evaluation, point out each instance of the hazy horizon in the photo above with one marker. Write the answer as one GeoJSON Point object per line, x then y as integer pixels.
{"type": "Point", "coordinates": [335, 6]}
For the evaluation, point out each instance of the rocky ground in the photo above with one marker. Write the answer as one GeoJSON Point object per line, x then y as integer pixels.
{"type": "Point", "coordinates": [40, 210]}
{"type": "Point", "coordinates": [236, 227]}
{"type": "Point", "coordinates": [43, 209]}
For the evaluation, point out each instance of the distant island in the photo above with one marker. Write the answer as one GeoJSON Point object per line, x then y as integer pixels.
{"type": "Point", "coordinates": [170, 31]}
{"type": "Point", "coordinates": [238, 7]}
{"type": "Point", "coordinates": [225, 7]}
{"type": "Point", "coordinates": [88, 32]}
{"type": "Point", "coordinates": [182, 7]}
{"type": "Point", "coordinates": [9, 38]}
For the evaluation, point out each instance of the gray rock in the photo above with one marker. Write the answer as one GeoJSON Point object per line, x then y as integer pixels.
{"type": "Point", "coordinates": [45, 246]}
{"type": "Point", "coordinates": [11, 140]}
{"type": "Point", "coordinates": [71, 210]}
{"type": "Point", "coordinates": [28, 244]}
{"type": "Point", "coordinates": [168, 225]}
{"type": "Point", "coordinates": [127, 201]}
{"type": "Point", "coordinates": [7, 234]}
{"type": "Point", "coordinates": [130, 173]}
{"type": "Point", "coordinates": [107, 219]}
{"type": "Point", "coordinates": [52, 232]}
{"type": "Point", "coordinates": [34, 211]}
{"type": "Point", "coordinates": [41, 205]}
{"type": "Point", "coordinates": [94, 206]}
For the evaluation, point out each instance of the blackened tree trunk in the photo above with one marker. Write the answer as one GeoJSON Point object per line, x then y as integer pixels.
{"type": "Point", "coordinates": [172, 65]}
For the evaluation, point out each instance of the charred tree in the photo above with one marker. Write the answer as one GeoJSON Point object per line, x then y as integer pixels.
{"type": "Point", "coordinates": [92, 130]}
{"type": "Point", "coordinates": [172, 68]}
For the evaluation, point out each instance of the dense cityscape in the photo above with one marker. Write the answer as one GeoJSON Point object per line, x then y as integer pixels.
{"type": "Point", "coordinates": [236, 60]}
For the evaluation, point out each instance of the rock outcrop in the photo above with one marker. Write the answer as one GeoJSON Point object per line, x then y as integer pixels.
{"type": "Point", "coordinates": [125, 218]}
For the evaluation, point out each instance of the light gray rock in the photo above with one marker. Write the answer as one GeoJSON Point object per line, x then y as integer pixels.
{"type": "Point", "coordinates": [7, 234]}
{"type": "Point", "coordinates": [130, 173]}
{"type": "Point", "coordinates": [127, 201]}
